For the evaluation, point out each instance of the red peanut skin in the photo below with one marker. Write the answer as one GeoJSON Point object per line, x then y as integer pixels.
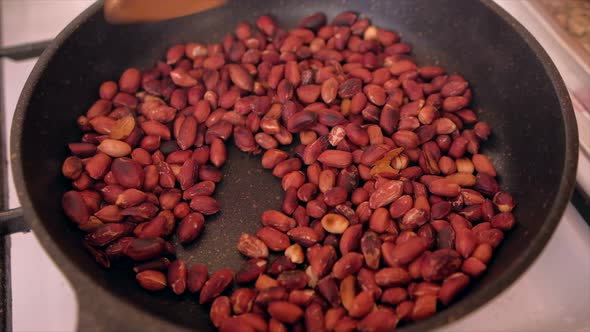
{"type": "Point", "coordinates": [351, 94]}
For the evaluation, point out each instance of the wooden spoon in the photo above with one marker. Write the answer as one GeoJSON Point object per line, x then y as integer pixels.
{"type": "Point", "coordinates": [138, 11]}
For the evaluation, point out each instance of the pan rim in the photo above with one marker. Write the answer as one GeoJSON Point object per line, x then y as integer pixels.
{"type": "Point", "coordinates": [525, 260]}
{"type": "Point", "coordinates": [468, 305]}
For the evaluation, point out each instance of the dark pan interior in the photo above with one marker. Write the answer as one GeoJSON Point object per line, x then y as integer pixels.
{"type": "Point", "coordinates": [510, 83]}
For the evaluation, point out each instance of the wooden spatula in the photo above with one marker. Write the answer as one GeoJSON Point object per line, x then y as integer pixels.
{"type": "Point", "coordinates": [138, 11]}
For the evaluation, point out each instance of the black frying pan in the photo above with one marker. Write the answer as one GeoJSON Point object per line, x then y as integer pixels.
{"type": "Point", "coordinates": [534, 145]}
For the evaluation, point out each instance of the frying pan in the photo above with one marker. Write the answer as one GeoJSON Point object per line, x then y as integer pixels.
{"type": "Point", "coordinates": [534, 145]}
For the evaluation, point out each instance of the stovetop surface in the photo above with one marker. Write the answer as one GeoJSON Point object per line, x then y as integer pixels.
{"type": "Point", "coordinates": [551, 296]}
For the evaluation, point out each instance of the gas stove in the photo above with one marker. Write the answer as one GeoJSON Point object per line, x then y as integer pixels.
{"type": "Point", "coordinates": [551, 296]}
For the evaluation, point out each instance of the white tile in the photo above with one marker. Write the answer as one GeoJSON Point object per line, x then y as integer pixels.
{"type": "Point", "coordinates": [31, 20]}
{"type": "Point", "coordinates": [42, 298]}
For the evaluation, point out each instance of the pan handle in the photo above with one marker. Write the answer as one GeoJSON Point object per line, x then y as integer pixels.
{"type": "Point", "coordinates": [24, 51]}
{"type": "Point", "coordinates": [12, 221]}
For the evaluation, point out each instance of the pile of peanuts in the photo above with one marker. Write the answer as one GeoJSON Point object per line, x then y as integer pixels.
{"type": "Point", "coordinates": [389, 209]}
